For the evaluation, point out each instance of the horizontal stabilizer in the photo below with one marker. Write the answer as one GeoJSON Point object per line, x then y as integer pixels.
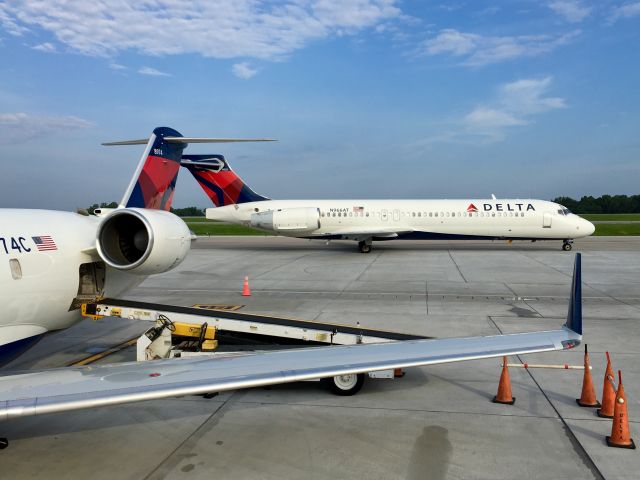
{"type": "Point", "coordinates": [144, 141]}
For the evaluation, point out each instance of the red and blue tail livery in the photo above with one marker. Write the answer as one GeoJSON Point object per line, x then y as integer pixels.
{"type": "Point", "coordinates": [219, 181]}
{"type": "Point", "coordinates": [155, 180]}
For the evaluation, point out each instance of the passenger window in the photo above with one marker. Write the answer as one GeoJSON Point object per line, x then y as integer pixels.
{"type": "Point", "coordinates": [419, 214]}
{"type": "Point", "coordinates": [16, 269]}
{"type": "Point", "coordinates": [413, 214]}
{"type": "Point", "coordinates": [367, 214]}
{"type": "Point", "coordinates": [431, 214]}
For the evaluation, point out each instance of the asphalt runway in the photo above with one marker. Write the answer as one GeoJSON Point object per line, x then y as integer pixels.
{"type": "Point", "coordinates": [436, 422]}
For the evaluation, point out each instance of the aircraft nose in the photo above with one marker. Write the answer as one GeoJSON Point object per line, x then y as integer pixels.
{"type": "Point", "coordinates": [587, 227]}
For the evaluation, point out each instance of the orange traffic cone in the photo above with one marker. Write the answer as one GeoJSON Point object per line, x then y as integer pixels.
{"type": "Point", "coordinates": [608, 392]}
{"type": "Point", "coordinates": [504, 387]}
{"type": "Point", "coordinates": [588, 397]}
{"type": "Point", "coordinates": [620, 436]}
{"type": "Point", "coordinates": [246, 291]}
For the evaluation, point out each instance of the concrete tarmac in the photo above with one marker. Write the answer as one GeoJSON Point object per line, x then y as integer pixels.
{"type": "Point", "coordinates": [436, 422]}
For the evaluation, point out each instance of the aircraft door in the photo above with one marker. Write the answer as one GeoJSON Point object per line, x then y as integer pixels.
{"type": "Point", "coordinates": [91, 283]}
{"type": "Point", "coordinates": [546, 220]}
{"type": "Point", "coordinates": [384, 215]}
{"type": "Point", "coordinates": [396, 215]}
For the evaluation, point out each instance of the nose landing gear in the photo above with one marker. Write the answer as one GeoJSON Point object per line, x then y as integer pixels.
{"type": "Point", "coordinates": [566, 245]}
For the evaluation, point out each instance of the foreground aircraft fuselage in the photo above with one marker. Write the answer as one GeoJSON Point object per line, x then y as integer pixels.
{"type": "Point", "coordinates": [51, 262]}
{"type": "Point", "coordinates": [367, 220]}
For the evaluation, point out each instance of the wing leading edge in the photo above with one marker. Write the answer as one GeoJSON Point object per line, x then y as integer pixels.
{"type": "Point", "coordinates": [86, 387]}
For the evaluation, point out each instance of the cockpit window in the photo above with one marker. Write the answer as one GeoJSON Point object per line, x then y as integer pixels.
{"type": "Point", "coordinates": [567, 211]}
{"type": "Point", "coordinates": [561, 212]}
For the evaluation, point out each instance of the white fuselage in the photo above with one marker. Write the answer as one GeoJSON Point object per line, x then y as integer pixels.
{"type": "Point", "coordinates": [387, 219]}
{"type": "Point", "coordinates": [38, 286]}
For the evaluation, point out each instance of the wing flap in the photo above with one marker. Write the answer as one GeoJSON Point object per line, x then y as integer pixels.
{"type": "Point", "coordinates": [86, 387]}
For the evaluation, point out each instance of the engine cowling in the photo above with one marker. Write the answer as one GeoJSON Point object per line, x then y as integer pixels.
{"type": "Point", "coordinates": [143, 242]}
{"type": "Point", "coordinates": [288, 220]}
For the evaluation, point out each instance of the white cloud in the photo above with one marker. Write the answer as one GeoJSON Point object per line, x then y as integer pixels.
{"type": "Point", "coordinates": [19, 127]}
{"type": "Point", "coordinates": [572, 10]}
{"type": "Point", "coordinates": [152, 72]}
{"type": "Point", "coordinates": [45, 47]}
{"type": "Point", "coordinates": [117, 66]}
{"type": "Point", "coordinates": [243, 70]}
{"type": "Point", "coordinates": [627, 10]}
{"type": "Point", "coordinates": [223, 29]}
{"type": "Point", "coordinates": [515, 105]}
{"type": "Point", "coordinates": [486, 118]}
{"type": "Point", "coordinates": [479, 50]}
{"type": "Point", "coordinates": [453, 42]}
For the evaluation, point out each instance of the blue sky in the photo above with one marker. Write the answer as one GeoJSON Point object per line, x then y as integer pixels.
{"type": "Point", "coordinates": [368, 98]}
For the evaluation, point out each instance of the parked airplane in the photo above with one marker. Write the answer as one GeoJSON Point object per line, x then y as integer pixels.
{"type": "Point", "coordinates": [367, 220]}
{"type": "Point", "coordinates": [73, 388]}
{"type": "Point", "coordinates": [54, 261]}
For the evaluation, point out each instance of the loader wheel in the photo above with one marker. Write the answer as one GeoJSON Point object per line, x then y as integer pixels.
{"type": "Point", "coordinates": [345, 385]}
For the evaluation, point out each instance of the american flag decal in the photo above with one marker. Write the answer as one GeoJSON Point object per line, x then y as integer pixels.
{"type": "Point", "coordinates": [44, 243]}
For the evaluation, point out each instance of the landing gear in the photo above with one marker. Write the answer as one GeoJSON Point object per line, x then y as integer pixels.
{"type": "Point", "coordinates": [364, 246]}
{"type": "Point", "coordinates": [4, 443]}
{"type": "Point", "coordinates": [566, 245]}
{"type": "Point", "coordinates": [345, 385]}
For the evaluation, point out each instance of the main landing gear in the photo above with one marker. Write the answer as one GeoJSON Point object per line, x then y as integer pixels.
{"type": "Point", "coordinates": [566, 245]}
{"type": "Point", "coordinates": [4, 443]}
{"type": "Point", "coordinates": [364, 246]}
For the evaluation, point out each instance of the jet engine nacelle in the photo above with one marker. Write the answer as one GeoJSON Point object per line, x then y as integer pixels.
{"type": "Point", "coordinates": [143, 242]}
{"type": "Point", "coordinates": [288, 220]}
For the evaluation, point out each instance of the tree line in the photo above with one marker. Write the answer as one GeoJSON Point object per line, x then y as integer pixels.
{"type": "Point", "coordinates": [603, 204]}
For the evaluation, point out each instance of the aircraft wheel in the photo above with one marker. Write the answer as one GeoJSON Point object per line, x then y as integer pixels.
{"type": "Point", "coordinates": [345, 385]}
{"type": "Point", "coordinates": [566, 247]}
{"type": "Point", "coordinates": [4, 443]}
{"type": "Point", "coordinates": [364, 247]}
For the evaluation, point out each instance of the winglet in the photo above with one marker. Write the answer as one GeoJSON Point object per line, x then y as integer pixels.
{"type": "Point", "coordinates": [574, 317]}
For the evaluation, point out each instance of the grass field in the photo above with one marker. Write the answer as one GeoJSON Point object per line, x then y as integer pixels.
{"type": "Point", "coordinates": [215, 228]}
{"type": "Point", "coordinates": [617, 229]}
{"type": "Point", "coordinates": [201, 226]}
{"type": "Point", "coordinates": [612, 217]}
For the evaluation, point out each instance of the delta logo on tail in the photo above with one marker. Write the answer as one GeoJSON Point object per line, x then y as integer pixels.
{"type": "Point", "coordinates": [472, 208]}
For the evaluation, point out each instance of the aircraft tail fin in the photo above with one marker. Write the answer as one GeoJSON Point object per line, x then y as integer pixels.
{"type": "Point", "coordinates": [154, 181]}
{"type": "Point", "coordinates": [574, 316]}
{"type": "Point", "coordinates": [219, 181]}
